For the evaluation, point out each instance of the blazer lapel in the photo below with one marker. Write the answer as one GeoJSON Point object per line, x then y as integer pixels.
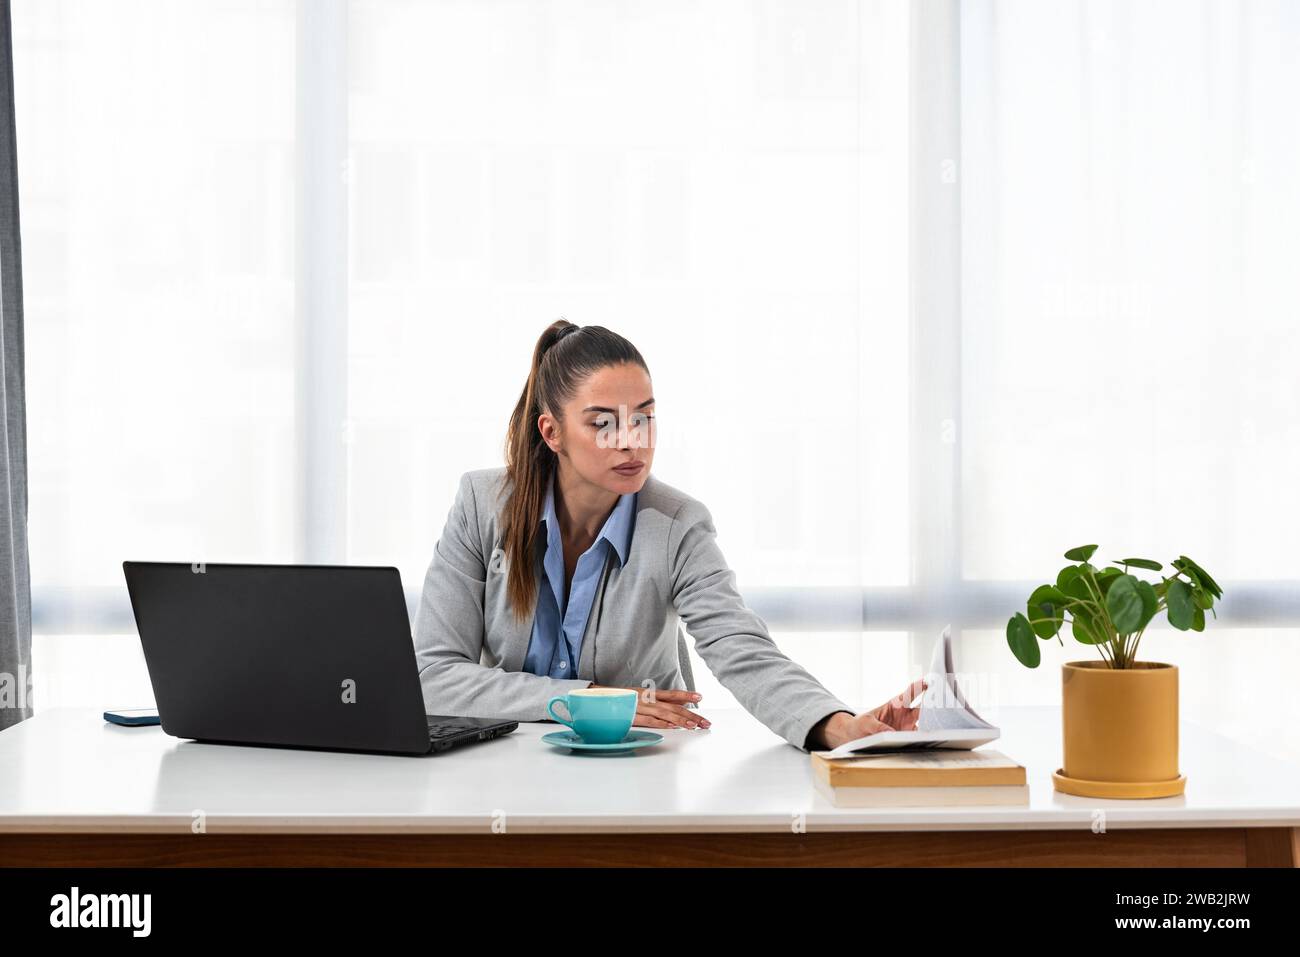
{"type": "Point", "coordinates": [519, 633]}
{"type": "Point", "coordinates": [587, 656]}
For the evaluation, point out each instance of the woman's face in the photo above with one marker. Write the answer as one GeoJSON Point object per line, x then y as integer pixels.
{"type": "Point", "coordinates": [609, 422]}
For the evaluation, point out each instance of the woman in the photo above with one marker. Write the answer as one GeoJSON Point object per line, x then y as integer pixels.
{"type": "Point", "coordinates": [574, 567]}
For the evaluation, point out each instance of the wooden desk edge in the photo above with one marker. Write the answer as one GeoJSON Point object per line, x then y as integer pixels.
{"type": "Point", "coordinates": [1122, 847]}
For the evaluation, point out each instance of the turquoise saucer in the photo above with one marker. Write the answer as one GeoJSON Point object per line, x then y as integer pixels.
{"type": "Point", "coordinates": [635, 739]}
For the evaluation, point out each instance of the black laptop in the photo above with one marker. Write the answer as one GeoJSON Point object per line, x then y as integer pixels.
{"type": "Point", "coordinates": [303, 656]}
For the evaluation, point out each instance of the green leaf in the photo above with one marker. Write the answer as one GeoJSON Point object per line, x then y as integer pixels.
{"type": "Point", "coordinates": [1046, 609]}
{"type": "Point", "coordinates": [1106, 576]}
{"type": "Point", "coordinates": [1182, 566]}
{"type": "Point", "coordinates": [1210, 584]}
{"type": "Point", "coordinates": [1081, 554]}
{"type": "Point", "coordinates": [1202, 598]}
{"type": "Point", "coordinates": [1022, 641]}
{"type": "Point", "coordinates": [1086, 630]}
{"type": "Point", "coordinates": [1124, 605]}
{"type": "Point", "coordinates": [1077, 586]}
{"type": "Point", "coordinates": [1066, 575]}
{"type": "Point", "coordinates": [1143, 563]}
{"type": "Point", "coordinates": [1149, 603]}
{"type": "Point", "coordinates": [1198, 619]}
{"type": "Point", "coordinates": [1180, 608]}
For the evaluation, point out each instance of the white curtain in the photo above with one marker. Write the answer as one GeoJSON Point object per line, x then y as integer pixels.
{"type": "Point", "coordinates": [1130, 319]}
{"type": "Point", "coordinates": [930, 293]}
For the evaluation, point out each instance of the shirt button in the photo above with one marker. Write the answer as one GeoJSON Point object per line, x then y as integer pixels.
{"type": "Point", "coordinates": [563, 665]}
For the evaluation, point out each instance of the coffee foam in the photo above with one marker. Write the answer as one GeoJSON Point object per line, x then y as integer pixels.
{"type": "Point", "coordinates": [602, 691]}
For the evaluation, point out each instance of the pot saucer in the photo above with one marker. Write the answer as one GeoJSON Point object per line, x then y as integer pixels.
{"type": "Point", "coordinates": [1118, 789]}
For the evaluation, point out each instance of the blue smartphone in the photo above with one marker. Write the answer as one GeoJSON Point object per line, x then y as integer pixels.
{"type": "Point", "coordinates": [132, 717]}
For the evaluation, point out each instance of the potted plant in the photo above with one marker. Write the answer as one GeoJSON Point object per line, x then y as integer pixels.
{"type": "Point", "coordinates": [1119, 714]}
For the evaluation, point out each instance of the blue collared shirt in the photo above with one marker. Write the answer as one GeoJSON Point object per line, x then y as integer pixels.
{"type": "Point", "coordinates": [558, 625]}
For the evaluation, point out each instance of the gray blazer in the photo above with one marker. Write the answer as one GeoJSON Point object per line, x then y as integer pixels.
{"type": "Point", "coordinates": [470, 649]}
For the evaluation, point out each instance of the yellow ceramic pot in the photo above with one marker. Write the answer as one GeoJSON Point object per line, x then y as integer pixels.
{"type": "Point", "coordinates": [1120, 730]}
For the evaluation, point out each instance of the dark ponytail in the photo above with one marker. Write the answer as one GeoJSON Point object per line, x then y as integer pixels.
{"type": "Point", "coordinates": [564, 356]}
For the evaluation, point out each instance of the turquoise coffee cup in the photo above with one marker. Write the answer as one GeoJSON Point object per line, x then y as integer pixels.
{"type": "Point", "coordinates": [597, 715]}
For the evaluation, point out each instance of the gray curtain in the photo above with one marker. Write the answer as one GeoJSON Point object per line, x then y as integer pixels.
{"type": "Point", "coordinates": [15, 580]}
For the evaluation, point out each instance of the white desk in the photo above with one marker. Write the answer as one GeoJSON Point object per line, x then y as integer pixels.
{"type": "Point", "coordinates": [75, 790]}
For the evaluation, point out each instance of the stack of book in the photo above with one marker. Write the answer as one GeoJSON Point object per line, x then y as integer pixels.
{"type": "Point", "coordinates": [935, 763]}
{"type": "Point", "coordinates": [942, 777]}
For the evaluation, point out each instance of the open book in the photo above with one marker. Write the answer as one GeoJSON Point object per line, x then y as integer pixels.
{"type": "Point", "coordinates": [946, 719]}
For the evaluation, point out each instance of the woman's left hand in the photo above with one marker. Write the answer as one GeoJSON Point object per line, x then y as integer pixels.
{"type": "Point", "coordinates": [893, 715]}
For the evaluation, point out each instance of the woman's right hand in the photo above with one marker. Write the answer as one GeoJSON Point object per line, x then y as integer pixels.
{"type": "Point", "coordinates": [658, 708]}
